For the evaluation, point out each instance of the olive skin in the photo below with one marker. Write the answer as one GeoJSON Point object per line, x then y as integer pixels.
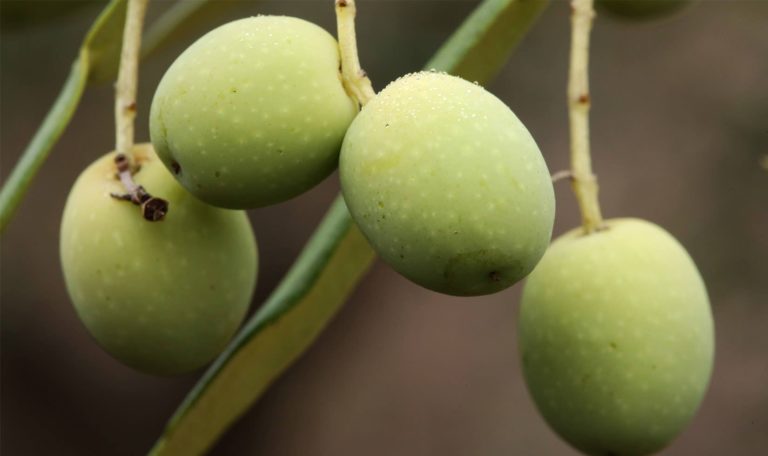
{"type": "Point", "coordinates": [253, 113]}
{"type": "Point", "coordinates": [639, 9]}
{"type": "Point", "coordinates": [162, 297]}
{"type": "Point", "coordinates": [617, 339]}
{"type": "Point", "coordinates": [447, 185]}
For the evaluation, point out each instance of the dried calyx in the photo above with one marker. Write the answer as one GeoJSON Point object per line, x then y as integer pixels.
{"type": "Point", "coordinates": [152, 208]}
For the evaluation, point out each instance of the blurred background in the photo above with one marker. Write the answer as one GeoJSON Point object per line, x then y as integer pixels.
{"type": "Point", "coordinates": [680, 127]}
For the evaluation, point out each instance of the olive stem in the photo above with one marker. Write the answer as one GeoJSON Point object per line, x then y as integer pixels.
{"type": "Point", "coordinates": [355, 79]}
{"type": "Point", "coordinates": [583, 181]}
{"type": "Point", "coordinates": [152, 209]}
{"type": "Point", "coordinates": [127, 78]}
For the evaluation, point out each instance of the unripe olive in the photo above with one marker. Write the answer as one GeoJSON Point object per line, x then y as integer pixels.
{"type": "Point", "coordinates": [253, 113]}
{"type": "Point", "coordinates": [162, 297]}
{"type": "Point", "coordinates": [639, 9]}
{"type": "Point", "coordinates": [616, 338]}
{"type": "Point", "coordinates": [447, 185]}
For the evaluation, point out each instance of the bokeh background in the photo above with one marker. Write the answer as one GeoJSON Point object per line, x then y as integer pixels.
{"type": "Point", "coordinates": [680, 126]}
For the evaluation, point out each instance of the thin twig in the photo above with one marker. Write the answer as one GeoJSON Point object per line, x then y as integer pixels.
{"type": "Point", "coordinates": [584, 181]}
{"type": "Point", "coordinates": [152, 209]}
{"type": "Point", "coordinates": [562, 174]}
{"type": "Point", "coordinates": [127, 78]}
{"type": "Point", "coordinates": [355, 78]}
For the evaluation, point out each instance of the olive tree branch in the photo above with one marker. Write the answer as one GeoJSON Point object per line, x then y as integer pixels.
{"type": "Point", "coordinates": [152, 209]}
{"type": "Point", "coordinates": [584, 182]}
{"type": "Point", "coordinates": [355, 78]}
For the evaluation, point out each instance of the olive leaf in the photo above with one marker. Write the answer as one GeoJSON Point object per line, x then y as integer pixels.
{"type": "Point", "coordinates": [103, 43]}
{"type": "Point", "coordinates": [188, 13]}
{"type": "Point", "coordinates": [332, 263]}
{"type": "Point", "coordinates": [478, 49]}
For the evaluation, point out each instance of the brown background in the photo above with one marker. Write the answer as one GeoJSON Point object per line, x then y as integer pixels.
{"type": "Point", "coordinates": [680, 123]}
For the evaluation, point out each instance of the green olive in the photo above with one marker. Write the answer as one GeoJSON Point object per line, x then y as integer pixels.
{"type": "Point", "coordinates": [447, 185]}
{"type": "Point", "coordinates": [253, 113]}
{"type": "Point", "coordinates": [617, 339]}
{"type": "Point", "coordinates": [162, 297]}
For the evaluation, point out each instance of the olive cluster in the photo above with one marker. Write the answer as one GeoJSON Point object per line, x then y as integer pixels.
{"type": "Point", "coordinates": [445, 182]}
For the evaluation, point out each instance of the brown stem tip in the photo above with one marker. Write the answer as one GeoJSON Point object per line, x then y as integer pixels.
{"type": "Point", "coordinates": [152, 209]}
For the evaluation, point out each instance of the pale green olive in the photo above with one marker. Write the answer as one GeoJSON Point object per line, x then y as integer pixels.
{"type": "Point", "coordinates": [253, 113]}
{"type": "Point", "coordinates": [162, 297]}
{"type": "Point", "coordinates": [447, 185]}
{"type": "Point", "coordinates": [616, 337]}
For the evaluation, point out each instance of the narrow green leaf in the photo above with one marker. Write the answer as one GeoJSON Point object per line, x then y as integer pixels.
{"type": "Point", "coordinates": [322, 278]}
{"type": "Point", "coordinates": [478, 49]}
{"type": "Point", "coordinates": [104, 43]}
{"type": "Point", "coordinates": [188, 12]}
{"type": "Point", "coordinates": [92, 55]}
{"type": "Point", "coordinates": [175, 16]}
{"type": "Point", "coordinates": [47, 135]}
{"type": "Point", "coordinates": [328, 269]}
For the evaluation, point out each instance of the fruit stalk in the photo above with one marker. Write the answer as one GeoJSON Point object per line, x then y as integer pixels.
{"type": "Point", "coordinates": [127, 78]}
{"type": "Point", "coordinates": [153, 209]}
{"type": "Point", "coordinates": [583, 181]}
{"type": "Point", "coordinates": [355, 79]}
